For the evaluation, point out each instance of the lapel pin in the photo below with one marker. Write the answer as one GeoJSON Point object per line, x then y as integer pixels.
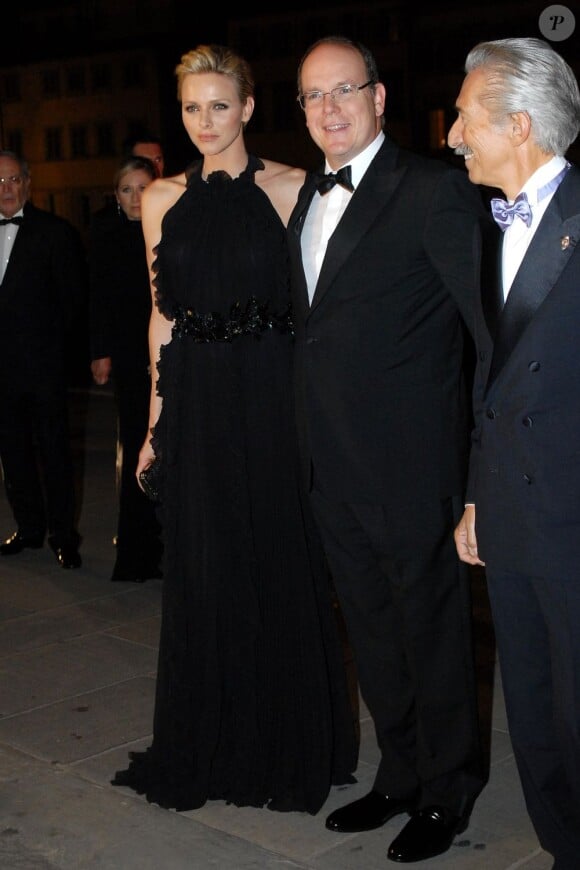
{"type": "Point", "coordinates": [565, 242]}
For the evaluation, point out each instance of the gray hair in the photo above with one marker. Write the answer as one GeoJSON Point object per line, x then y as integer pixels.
{"type": "Point", "coordinates": [12, 155]}
{"type": "Point", "coordinates": [527, 75]}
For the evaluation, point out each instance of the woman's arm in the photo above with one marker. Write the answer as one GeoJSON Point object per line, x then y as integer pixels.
{"type": "Point", "coordinates": [157, 199]}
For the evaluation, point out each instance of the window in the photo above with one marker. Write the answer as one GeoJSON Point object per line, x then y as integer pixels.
{"type": "Point", "coordinates": [75, 80]}
{"type": "Point", "coordinates": [105, 140]}
{"type": "Point", "coordinates": [53, 143]}
{"type": "Point", "coordinates": [101, 79]}
{"type": "Point", "coordinates": [133, 74]}
{"type": "Point", "coordinates": [11, 88]}
{"type": "Point", "coordinates": [50, 79]}
{"type": "Point", "coordinates": [15, 141]}
{"type": "Point", "coordinates": [78, 141]}
{"type": "Point", "coordinates": [437, 129]}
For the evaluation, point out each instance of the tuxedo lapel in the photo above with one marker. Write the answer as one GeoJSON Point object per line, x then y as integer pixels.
{"type": "Point", "coordinates": [377, 185]}
{"type": "Point", "coordinates": [491, 286]}
{"type": "Point", "coordinates": [548, 254]}
{"type": "Point", "coordinates": [295, 226]}
{"type": "Point", "coordinates": [368, 200]}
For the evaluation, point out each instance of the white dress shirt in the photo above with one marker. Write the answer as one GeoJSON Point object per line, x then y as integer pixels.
{"type": "Point", "coordinates": [326, 211]}
{"type": "Point", "coordinates": [7, 236]}
{"type": "Point", "coordinates": [518, 236]}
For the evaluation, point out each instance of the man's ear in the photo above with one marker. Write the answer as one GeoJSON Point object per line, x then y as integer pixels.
{"type": "Point", "coordinates": [521, 127]}
{"type": "Point", "coordinates": [380, 98]}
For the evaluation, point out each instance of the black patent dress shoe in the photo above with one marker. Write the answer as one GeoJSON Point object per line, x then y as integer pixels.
{"type": "Point", "coordinates": [428, 832]}
{"type": "Point", "coordinates": [370, 812]}
{"type": "Point", "coordinates": [17, 542]}
{"type": "Point", "coordinates": [67, 555]}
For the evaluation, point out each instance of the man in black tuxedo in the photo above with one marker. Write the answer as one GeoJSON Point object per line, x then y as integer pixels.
{"type": "Point", "coordinates": [382, 277]}
{"type": "Point", "coordinates": [519, 111]}
{"type": "Point", "coordinates": [43, 284]}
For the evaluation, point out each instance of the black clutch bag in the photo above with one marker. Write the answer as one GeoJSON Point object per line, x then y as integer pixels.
{"type": "Point", "coordinates": [150, 480]}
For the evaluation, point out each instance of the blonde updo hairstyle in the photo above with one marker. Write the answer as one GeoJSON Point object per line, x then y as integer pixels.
{"type": "Point", "coordinates": [217, 59]}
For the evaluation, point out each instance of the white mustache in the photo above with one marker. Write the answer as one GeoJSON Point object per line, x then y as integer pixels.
{"type": "Point", "coordinates": [463, 151]}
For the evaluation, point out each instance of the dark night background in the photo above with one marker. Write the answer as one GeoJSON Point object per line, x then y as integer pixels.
{"type": "Point", "coordinates": [420, 47]}
{"type": "Point", "coordinates": [436, 37]}
{"type": "Point", "coordinates": [171, 27]}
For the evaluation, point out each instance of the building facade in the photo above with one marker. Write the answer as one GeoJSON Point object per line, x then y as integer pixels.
{"type": "Point", "coordinates": [82, 75]}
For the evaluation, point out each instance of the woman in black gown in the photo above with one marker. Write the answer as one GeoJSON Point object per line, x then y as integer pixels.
{"type": "Point", "coordinates": [120, 308]}
{"type": "Point", "coordinates": [252, 704]}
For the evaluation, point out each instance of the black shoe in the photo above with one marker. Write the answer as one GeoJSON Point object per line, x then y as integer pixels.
{"type": "Point", "coordinates": [17, 542]}
{"type": "Point", "coordinates": [67, 555]}
{"type": "Point", "coordinates": [428, 832]}
{"type": "Point", "coordinates": [370, 812]}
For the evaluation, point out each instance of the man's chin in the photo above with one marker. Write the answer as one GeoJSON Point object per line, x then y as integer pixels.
{"type": "Point", "coordinates": [472, 171]}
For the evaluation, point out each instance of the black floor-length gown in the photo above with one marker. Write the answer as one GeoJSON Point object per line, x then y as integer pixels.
{"type": "Point", "coordinates": [251, 704]}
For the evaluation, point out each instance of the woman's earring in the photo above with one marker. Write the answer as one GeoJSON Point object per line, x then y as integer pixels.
{"type": "Point", "coordinates": [118, 208]}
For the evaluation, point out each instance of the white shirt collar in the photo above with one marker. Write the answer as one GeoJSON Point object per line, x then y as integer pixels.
{"type": "Point", "coordinates": [19, 213]}
{"type": "Point", "coordinates": [542, 176]}
{"type": "Point", "coordinates": [360, 163]}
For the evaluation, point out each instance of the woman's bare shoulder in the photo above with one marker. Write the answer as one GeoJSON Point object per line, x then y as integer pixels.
{"type": "Point", "coordinates": [281, 183]}
{"type": "Point", "coordinates": [281, 173]}
{"type": "Point", "coordinates": [162, 193]}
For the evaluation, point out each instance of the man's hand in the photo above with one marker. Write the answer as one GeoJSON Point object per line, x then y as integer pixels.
{"type": "Point", "coordinates": [465, 540]}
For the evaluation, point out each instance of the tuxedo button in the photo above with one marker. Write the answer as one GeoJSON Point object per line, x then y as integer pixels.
{"type": "Point", "coordinates": [528, 422]}
{"type": "Point", "coordinates": [527, 478]}
{"type": "Point", "coordinates": [491, 414]}
{"type": "Point", "coordinates": [534, 366]}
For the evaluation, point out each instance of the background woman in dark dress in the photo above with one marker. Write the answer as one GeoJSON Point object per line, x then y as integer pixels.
{"type": "Point", "coordinates": [252, 704]}
{"type": "Point", "coordinates": [120, 308]}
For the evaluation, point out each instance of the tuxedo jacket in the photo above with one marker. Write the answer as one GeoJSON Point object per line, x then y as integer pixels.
{"type": "Point", "coordinates": [380, 397]}
{"type": "Point", "coordinates": [41, 298]}
{"type": "Point", "coordinates": [525, 463]}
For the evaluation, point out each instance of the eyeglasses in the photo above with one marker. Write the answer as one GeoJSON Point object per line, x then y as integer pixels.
{"type": "Point", "coordinates": [338, 95]}
{"type": "Point", "coordinates": [11, 179]}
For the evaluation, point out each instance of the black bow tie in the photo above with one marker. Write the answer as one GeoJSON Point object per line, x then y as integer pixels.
{"type": "Point", "coordinates": [12, 220]}
{"type": "Point", "coordinates": [325, 183]}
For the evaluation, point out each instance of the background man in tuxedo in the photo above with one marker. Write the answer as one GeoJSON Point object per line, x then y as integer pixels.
{"type": "Point", "coordinates": [382, 275]}
{"type": "Point", "coordinates": [43, 284]}
{"type": "Point", "coordinates": [519, 111]}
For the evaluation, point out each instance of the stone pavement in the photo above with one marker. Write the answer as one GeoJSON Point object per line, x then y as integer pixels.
{"type": "Point", "coordinates": [77, 676]}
